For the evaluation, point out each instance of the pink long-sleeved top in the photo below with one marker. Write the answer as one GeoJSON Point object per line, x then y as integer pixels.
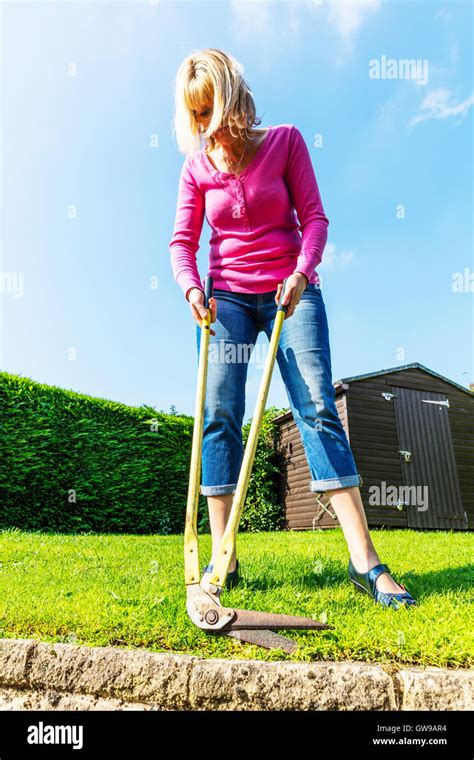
{"type": "Point", "coordinates": [267, 222]}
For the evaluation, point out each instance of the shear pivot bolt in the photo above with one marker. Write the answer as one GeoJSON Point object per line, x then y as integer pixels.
{"type": "Point", "coordinates": [212, 617]}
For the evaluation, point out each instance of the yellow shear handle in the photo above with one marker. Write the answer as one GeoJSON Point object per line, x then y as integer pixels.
{"type": "Point", "coordinates": [228, 542]}
{"type": "Point", "coordinates": [191, 549]}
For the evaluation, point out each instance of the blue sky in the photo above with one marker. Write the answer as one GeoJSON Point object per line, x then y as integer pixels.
{"type": "Point", "coordinates": [90, 172]}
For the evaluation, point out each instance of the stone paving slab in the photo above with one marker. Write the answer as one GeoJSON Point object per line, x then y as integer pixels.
{"type": "Point", "coordinates": [37, 675]}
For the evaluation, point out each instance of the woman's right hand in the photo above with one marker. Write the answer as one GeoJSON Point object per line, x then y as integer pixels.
{"type": "Point", "coordinates": [198, 310]}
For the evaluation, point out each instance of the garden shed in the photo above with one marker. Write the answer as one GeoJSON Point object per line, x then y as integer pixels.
{"type": "Point", "coordinates": [411, 431]}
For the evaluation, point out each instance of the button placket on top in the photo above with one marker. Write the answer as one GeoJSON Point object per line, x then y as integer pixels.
{"type": "Point", "coordinates": [228, 179]}
{"type": "Point", "coordinates": [240, 194]}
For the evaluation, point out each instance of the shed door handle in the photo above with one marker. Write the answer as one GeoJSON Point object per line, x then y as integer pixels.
{"type": "Point", "coordinates": [406, 454]}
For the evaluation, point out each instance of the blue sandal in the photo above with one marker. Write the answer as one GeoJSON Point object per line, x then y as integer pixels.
{"type": "Point", "coordinates": [232, 578]}
{"type": "Point", "coordinates": [365, 582]}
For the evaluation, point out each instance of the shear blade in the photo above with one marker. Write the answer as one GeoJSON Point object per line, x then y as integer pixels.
{"type": "Point", "coordinates": [266, 639]}
{"type": "Point", "coordinates": [200, 603]}
{"type": "Point", "coordinates": [251, 619]}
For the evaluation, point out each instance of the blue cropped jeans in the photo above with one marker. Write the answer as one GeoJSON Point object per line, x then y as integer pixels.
{"type": "Point", "coordinates": [304, 360]}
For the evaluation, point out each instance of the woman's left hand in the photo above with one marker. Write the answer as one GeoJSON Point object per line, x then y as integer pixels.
{"type": "Point", "coordinates": [294, 287]}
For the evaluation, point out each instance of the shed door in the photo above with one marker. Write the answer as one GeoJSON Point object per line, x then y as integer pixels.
{"type": "Point", "coordinates": [424, 431]}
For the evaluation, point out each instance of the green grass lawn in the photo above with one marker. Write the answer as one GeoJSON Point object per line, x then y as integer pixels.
{"type": "Point", "coordinates": [128, 591]}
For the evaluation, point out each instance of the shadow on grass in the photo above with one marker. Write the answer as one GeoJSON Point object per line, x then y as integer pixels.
{"type": "Point", "coordinates": [436, 582]}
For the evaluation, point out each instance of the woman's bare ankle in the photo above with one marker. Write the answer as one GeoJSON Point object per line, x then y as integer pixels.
{"type": "Point", "coordinates": [365, 562]}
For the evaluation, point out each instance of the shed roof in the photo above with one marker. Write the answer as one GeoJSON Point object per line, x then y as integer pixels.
{"type": "Point", "coordinates": [400, 368]}
{"type": "Point", "coordinates": [339, 385]}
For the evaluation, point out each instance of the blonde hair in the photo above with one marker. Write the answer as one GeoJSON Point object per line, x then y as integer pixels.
{"type": "Point", "coordinates": [211, 76]}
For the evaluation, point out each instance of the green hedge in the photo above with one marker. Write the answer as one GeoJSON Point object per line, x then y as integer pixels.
{"type": "Point", "coordinates": [74, 463]}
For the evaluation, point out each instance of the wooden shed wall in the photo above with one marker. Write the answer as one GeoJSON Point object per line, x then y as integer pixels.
{"type": "Point", "coordinates": [370, 424]}
{"type": "Point", "coordinates": [374, 438]}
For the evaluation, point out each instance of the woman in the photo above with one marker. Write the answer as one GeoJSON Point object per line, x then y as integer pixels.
{"type": "Point", "coordinates": [250, 183]}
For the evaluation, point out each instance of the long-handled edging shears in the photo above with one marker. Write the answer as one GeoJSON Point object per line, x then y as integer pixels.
{"type": "Point", "coordinates": [203, 603]}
